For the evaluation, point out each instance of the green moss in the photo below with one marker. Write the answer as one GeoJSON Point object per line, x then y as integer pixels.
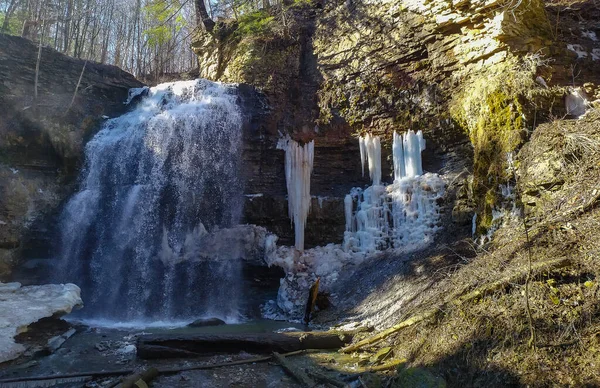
{"type": "Point", "coordinates": [255, 24]}
{"type": "Point", "coordinates": [491, 111]}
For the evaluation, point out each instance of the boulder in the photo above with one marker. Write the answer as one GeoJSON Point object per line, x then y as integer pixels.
{"type": "Point", "coordinates": [205, 322]}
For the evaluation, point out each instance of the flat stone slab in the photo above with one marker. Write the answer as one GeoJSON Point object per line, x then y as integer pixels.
{"type": "Point", "coordinates": [22, 306]}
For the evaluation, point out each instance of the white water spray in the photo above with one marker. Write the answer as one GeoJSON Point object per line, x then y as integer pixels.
{"type": "Point", "coordinates": [153, 179]}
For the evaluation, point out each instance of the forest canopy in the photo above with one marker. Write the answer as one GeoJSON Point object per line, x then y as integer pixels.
{"type": "Point", "coordinates": [145, 37]}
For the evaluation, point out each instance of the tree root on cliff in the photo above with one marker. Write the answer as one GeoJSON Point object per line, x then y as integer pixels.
{"type": "Point", "coordinates": [459, 300]}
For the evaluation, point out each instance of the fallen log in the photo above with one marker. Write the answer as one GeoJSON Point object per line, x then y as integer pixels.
{"type": "Point", "coordinates": [378, 337]}
{"type": "Point", "coordinates": [194, 345]}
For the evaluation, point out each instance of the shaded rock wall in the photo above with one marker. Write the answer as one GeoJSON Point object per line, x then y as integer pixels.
{"type": "Point", "coordinates": [41, 142]}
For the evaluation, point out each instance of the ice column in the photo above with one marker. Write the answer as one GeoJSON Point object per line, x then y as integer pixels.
{"type": "Point", "coordinates": [406, 151]}
{"type": "Point", "coordinates": [413, 145]}
{"type": "Point", "coordinates": [370, 150]}
{"type": "Point", "coordinates": [298, 168]}
{"type": "Point", "coordinates": [398, 155]}
{"type": "Point", "coordinates": [348, 212]}
{"type": "Point", "coordinates": [363, 153]}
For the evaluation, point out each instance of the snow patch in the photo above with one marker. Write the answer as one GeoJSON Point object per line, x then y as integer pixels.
{"type": "Point", "coordinates": [590, 35]}
{"type": "Point", "coordinates": [579, 50]}
{"type": "Point", "coordinates": [22, 306]}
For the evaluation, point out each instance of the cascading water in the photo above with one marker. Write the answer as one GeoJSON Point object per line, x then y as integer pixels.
{"type": "Point", "coordinates": [154, 181]}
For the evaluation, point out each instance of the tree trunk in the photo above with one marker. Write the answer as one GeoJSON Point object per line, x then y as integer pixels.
{"type": "Point", "coordinates": [67, 27]}
{"type": "Point", "coordinates": [202, 15]}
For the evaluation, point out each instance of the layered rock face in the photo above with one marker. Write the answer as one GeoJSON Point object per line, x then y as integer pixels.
{"type": "Point", "coordinates": [284, 68]}
{"type": "Point", "coordinates": [346, 67]}
{"type": "Point", "coordinates": [482, 72]}
{"type": "Point", "coordinates": [41, 139]}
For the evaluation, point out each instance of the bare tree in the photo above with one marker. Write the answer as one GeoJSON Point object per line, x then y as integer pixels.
{"type": "Point", "coordinates": [202, 16]}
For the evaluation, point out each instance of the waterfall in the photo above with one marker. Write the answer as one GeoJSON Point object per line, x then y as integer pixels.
{"type": "Point", "coordinates": [154, 181]}
{"type": "Point", "coordinates": [404, 214]}
{"type": "Point", "coordinates": [298, 168]}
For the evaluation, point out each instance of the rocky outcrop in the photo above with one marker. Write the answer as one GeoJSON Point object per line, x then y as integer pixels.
{"type": "Point", "coordinates": [41, 140]}
{"type": "Point", "coordinates": [22, 306]}
{"type": "Point", "coordinates": [477, 71]}
{"type": "Point", "coordinates": [559, 165]}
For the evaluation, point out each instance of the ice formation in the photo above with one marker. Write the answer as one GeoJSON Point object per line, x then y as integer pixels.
{"type": "Point", "coordinates": [370, 152]}
{"type": "Point", "coordinates": [402, 214]}
{"type": "Point", "coordinates": [22, 306]}
{"type": "Point", "coordinates": [398, 156]}
{"type": "Point", "coordinates": [298, 168]}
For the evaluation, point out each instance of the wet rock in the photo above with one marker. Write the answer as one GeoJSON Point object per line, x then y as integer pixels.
{"type": "Point", "coordinates": [205, 322]}
{"type": "Point", "coordinates": [56, 342]}
{"type": "Point", "coordinates": [22, 306]}
{"type": "Point", "coordinates": [462, 213]}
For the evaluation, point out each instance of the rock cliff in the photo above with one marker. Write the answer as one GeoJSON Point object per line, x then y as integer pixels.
{"type": "Point", "coordinates": [476, 76]}
{"type": "Point", "coordinates": [41, 139]}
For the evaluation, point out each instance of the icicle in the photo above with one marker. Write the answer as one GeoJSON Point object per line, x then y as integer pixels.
{"type": "Point", "coordinates": [372, 149]}
{"type": "Point", "coordinates": [421, 140]}
{"type": "Point", "coordinates": [398, 156]}
{"type": "Point", "coordinates": [402, 215]}
{"type": "Point", "coordinates": [412, 154]}
{"type": "Point", "coordinates": [363, 153]}
{"type": "Point", "coordinates": [348, 212]}
{"type": "Point", "coordinates": [298, 168]}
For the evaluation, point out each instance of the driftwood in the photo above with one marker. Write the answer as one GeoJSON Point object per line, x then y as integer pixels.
{"type": "Point", "coordinates": [312, 299]}
{"type": "Point", "coordinates": [479, 292]}
{"type": "Point", "coordinates": [297, 373]}
{"type": "Point", "coordinates": [194, 345]}
{"type": "Point", "coordinates": [146, 376]}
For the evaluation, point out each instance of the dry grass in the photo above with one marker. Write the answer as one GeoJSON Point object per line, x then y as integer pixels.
{"type": "Point", "coordinates": [484, 342]}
